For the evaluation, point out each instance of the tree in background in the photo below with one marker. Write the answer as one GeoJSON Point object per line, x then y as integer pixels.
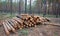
{"type": "Point", "coordinates": [21, 6]}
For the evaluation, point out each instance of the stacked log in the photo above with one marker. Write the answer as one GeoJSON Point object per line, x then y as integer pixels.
{"type": "Point", "coordinates": [6, 29]}
{"type": "Point", "coordinates": [23, 21]}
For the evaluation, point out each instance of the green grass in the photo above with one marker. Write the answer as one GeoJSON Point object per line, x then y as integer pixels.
{"type": "Point", "coordinates": [23, 32]}
{"type": "Point", "coordinates": [55, 34]}
{"type": "Point", "coordinates": [8, 15]}
{"type": "Point", "coordinates": [50, 16]}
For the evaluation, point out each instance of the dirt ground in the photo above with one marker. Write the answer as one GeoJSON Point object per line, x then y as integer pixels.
{"type": "Point", "coordinates": [40, 30]}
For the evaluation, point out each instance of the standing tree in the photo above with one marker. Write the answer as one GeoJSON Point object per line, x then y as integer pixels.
{"type": "Point", "coordinates": [21, 6]}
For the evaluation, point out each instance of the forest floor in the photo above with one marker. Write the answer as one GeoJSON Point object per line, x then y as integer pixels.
{"type": "Point", "coordinates": [40, 30]}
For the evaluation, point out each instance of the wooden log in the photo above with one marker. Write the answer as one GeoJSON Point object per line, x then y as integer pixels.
{"type": "Point", "coordinates": [20, 17]}
{"type": "Point", "coordinates": [5, 28]}
{"type": "Point", "coordinates": [38, 17]}
{"type": "Point", "coordinates": [12, 24]}
{"type": "Point", "coordinates": [49, 23]}
{"type": "Point", "coordinates": [25, 24]}
{"type": "Point", "coordinates": [18, 26]}
{"type": "Point", "coordinates": [32, 20]}
{"type": "Point", "coordinates": [29, 24]}
{"type": "Point", "coordinates": [20, 22]}
{"type": "Point", "coordinates": [47, 19]}
{"type": "Point", "coordinates": [35, 20]}
{"type": "Point", "coordinates": [32, 16]}
{"type": "Point", "coordinates": [41, 19]}
{"type": "Point", "coordinates": [32, 23]}
{"type": "Point", "coordinates": [11, 27]}
{"type": "Point", "coordinates": [44, 19]}
{"type": "Point", "coordinates": [38, 22]}
{"type": "Point", "coordinates": [29, 18]}
{"type": "Point", "coordinates": [24, 17]}
{"type": "Point", "coordinates": [24, 14]}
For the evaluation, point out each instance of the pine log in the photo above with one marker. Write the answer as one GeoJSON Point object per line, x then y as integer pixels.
{"type": "Point", "coordinates": [49, 23]}
{"type": "Point", "coordinates": [5, 28]}
{"type": "Point", "coordinates": [20, 22]}
{"type": "Point", "coordinates": [11, 27]}
{"type": "Point", "coordinates": [12, 24]}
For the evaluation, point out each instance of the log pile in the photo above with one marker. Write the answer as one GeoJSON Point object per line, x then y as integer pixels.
{"type": "Point", "coordinates": [22, 21]}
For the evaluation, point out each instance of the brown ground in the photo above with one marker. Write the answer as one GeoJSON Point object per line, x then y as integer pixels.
{"type": "Point", "coordinates": [40, 30]}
